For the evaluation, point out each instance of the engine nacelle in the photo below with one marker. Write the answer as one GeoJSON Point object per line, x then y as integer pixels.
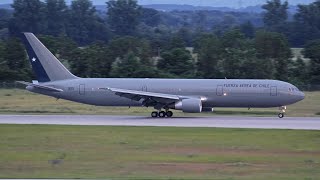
{"type": "Point", "coordinates": [189, 105]}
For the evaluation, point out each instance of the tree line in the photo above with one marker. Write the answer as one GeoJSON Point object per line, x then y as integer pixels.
{"type": "Point", "coordinates": [131, 41]}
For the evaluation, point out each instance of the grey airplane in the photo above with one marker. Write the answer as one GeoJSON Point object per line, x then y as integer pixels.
{"type": "Point", "coordinates": [187, 95]}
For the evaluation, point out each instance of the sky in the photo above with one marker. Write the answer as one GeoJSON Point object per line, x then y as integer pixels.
{"type": "Point", "coordinates": [214, 3]}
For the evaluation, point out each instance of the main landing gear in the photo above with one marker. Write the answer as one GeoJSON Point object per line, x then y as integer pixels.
{"type": "Point", "coordinates": [282, 111]}
{"type": "Point", "coordinates": [162, 114]}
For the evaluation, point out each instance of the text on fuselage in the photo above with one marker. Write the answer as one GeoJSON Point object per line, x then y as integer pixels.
{"type": "Point", "coordinates": [247, 85]}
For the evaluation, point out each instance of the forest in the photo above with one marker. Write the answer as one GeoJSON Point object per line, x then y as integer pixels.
{"type": "Point", "coordinates": [129, 41]}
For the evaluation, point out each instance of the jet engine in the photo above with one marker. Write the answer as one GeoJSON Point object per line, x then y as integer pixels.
{"type": "Point", "coordinates": [189, 105]}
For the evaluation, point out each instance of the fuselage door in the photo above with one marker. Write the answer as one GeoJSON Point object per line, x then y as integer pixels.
{"type": "Point", "coordinates": [144, 88]}
{"type": "Point", "coordinates": [219, 90]}
{"type": "Point", "coordinates": [82, 89]}
{"type": "Point", "coordinates": [273, 91]}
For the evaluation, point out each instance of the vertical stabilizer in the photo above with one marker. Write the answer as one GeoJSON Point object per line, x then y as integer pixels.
{"type": "Point", "coordinates": [45, 65]}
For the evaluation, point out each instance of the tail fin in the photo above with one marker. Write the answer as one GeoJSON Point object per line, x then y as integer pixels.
{"type": "Point", "coordinates": [45, 65]}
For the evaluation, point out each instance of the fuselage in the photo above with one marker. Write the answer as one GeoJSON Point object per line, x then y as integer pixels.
{"type": "Point", "coordinates": [213, 92]}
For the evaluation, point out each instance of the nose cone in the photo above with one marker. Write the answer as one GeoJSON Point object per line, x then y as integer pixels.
{"type": "Point", "coordinates": [299, 96]}
{"type": "Point", "coordinates": [302, 96]}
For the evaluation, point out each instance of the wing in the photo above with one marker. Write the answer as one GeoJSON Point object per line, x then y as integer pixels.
{"type": "Point", "coordinates": [157, 100]}
{"type": "Point", "coordinates": [47, 88]}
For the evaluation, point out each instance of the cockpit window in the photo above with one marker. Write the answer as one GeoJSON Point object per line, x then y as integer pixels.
{"type": "Point", "coordinates": [293, 89]}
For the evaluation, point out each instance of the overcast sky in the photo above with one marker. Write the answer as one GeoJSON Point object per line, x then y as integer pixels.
{"type": "Point", "coordinates": [216, 3]}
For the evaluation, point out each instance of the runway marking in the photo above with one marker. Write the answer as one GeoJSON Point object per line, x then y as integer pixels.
{"type": "Point", "coordinates": [302, 123]}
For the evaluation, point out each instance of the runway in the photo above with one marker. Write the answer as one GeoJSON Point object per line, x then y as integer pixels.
{"type": "Point", "coordinates": [303, 123]}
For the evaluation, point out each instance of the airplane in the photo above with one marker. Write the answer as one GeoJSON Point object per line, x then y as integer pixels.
{"type": "Point", "coordinates": [187, 95]}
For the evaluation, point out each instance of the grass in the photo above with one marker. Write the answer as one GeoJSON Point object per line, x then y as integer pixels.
{"type": "Point", "coordinates": [16, 101]}
{"type": "Point", "coordinates": [47, 151]}
{"type": "Point", "coordinates": [43, 151]}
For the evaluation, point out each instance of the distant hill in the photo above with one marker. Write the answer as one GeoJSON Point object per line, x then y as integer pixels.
{"type": "Point", "coordinates": [176, 7]}
{"type": "Point", "coordinates": [5, 6]}
{"type": "Point", "coordinates": [173, 7]}
{"type": "Point", "coordinates": [258, 9]}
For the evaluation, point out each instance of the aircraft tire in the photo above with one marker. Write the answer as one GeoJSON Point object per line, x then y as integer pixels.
{"type": "Point", "coordinates": [281, 115]}
{"type": "Point", "coordinates": [162, 114]}
{"type": "Point", "coordinates": [154, 114]}
{"type": "Point", "coordinates": [169, 114]}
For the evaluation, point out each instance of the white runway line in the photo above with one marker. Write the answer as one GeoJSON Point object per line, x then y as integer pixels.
{"type": "Point", "coordinates": [302, 123]}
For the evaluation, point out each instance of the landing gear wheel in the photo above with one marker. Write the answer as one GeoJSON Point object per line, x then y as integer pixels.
{"type": "Point", "coordinates": [281, 115]}
{"type": "Point", "coordinates": [282, 111]}
{"type": "Point", "coordinates": [169, 114]}
{"type": "Point", "coordinates": [154, 114]}
{"type": "Point", "coordinates": [162, 114]}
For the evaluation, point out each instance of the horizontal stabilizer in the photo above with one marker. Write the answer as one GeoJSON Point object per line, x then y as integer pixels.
{"type": "Point", "coordinates": [47, 88]}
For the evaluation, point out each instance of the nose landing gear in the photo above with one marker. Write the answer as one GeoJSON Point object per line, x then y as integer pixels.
{"type": "Point", "coordinates": [282, 111]}
{"type": "Point", "coordinates": [162, 114]}
{"type": "Point", "coordinates": [281, 115]}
